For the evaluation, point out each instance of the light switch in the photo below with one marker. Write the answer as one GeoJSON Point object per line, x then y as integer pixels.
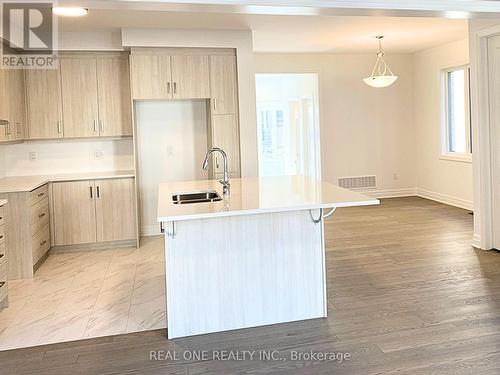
{"type": "Point", "coordinates": [99, 154]}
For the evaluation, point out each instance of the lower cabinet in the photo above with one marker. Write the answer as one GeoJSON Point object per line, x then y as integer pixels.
{"type": "Point", "coordinates": [93, 211]}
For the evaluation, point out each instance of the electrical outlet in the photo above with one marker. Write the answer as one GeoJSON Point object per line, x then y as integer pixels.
{"type": "Point", "coordinates": [32, 156]}
{"type": "Point", "coordinates": [98, 155]}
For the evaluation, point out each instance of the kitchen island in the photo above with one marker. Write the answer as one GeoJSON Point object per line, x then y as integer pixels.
{"type": "Point", "coordinates": [252, 258]}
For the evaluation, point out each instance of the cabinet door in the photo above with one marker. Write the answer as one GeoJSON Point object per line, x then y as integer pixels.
{"type": "Point", "coordinates": [79, 97]}
{"type": "Point", "coordinates": [115, 214]}
{"type": "Point", "coordinates": [43, 94]}
{"type": "Point", "coordinates": [74, 212]}
{"type": "Point", "coordinates": [151, 77]}
{"type": "Point", "coordinates": [17, 103]}
{"type": "Point", "coordinates": [223, 84]}
{"type": "Point", "coordinates": [225, 135]}
{"type": "Point", "coordinates": [190, 77]}
{"type": "Point", "coordinates": [115, 117]}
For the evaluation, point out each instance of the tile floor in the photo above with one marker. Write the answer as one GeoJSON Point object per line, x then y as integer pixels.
{"type": "Point", "coordinates": [87, 294]}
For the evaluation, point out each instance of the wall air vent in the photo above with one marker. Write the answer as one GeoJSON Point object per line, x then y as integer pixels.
{"type": "Point", "coordinates": [360, 182]}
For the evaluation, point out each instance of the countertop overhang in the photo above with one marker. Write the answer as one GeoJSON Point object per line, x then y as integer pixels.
{"type": "Point", "coordinates": [255, 196]}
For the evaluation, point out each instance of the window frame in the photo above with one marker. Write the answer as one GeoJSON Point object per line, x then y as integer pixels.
{"type": "Point", "coordinates": [446, 154]}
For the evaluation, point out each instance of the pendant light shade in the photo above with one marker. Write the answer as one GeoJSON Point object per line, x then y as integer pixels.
{"type": "Point", "coordinates": [382, 75]}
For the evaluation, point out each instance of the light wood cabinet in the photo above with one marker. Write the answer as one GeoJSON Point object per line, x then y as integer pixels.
{"type": "Point", "coordinates": [115, 213]}
{"type": "Point", "coordinates": [225, 135]}
{"type": "Point", "coordinates": [79, 97]}
{"type": "Point", "coordinates": [74, 212]}
{"type": "Point", "coordinates": [27, 230]}
{"type": "Point", "coordinates": [151, 76]}
{"type": "Point", "coordinates": [93, 211]}
{"type": "Point", "coordinates": [190, 77]}
{"type": "Point", "coordinates": [43, 94]}
{"type": "Point", "coordinates": [115, 118]}
{"type": "Point", "coordinates": [162, 76]}
{"type": "Point", "coordinates": [4, 297]}
{"type": "Point", "coordinates": [12, 105]}
{"type": "Point", "coordinates": [223, 84]}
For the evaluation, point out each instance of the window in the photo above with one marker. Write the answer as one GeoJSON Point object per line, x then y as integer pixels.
{"type": "Point", "coordinates": [457, 143]}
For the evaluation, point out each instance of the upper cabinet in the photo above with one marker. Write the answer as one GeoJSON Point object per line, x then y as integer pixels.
{"type": "Point", "coordinates": [79, 97]}
{"type": "Point", "coordinates": [223, 83]}
{"type": "Point", "coordinates": [190, 77]}
{"type": "Point", "coordinates": [115, 118]}
{"type": "Point", "coordinates": [12, 105]}
{"type": "Point", "coordinates": [169, 74]}
{"type": "Point", "coordinates": [151, 76]}
{"type": "Point", "coordinates": [88, 96]}
{"type": "Point", "coordinates": [44, 111]}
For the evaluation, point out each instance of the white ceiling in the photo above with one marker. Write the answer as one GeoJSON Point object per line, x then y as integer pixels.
{"type": "Point", "coordinates": [272, 33]}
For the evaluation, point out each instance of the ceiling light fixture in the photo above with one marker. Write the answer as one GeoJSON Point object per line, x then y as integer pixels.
{"type": "Point", "coordinates": [70, 11]}
{"type": "Point", "coordinates": [382, 75]}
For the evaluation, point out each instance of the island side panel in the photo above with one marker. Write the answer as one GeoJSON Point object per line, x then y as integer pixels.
{"type": "Point", "coordinates": [244, 271]}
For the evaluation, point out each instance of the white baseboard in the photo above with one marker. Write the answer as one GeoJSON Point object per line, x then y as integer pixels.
{"type": "Point", "coordinates": [390, 193]}
{"type": "Point", "coordinates": [411, 192]}
{"type": "Point", "coordinates": [446, 199]}
{"type": "Point", "coordinates": [476, 241]}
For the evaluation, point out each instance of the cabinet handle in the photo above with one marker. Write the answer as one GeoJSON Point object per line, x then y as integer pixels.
{"type": "Point", "coordinates": [168, 87]}
{"type": "Point", "coordinates": [40, 195]}
{"type": "Point", "coordinates": [215, 104]}
{"type": "Point", "coordinates": [95, 126]}
{"type": "Point", "coordinates": [101, 124]}
{"type": "Point", "coordinates": [98, 191]}
{"type": "Point", "coordinates": [1, 217]}
{"type": "Point", "coordinates": [2, 284]}
{"type": "Point", "coordinates": [175, 87]}
{"type": "Point", "coordinates": [1, 236]}
{"type": "Point", "coordinates": [91, 196]}
{"type": "Point", "coordinates": [59, 128]}
{"type": "Point", "coordinates": [43, 242]}
{"type": "Point", "coordinates": [41, 215]}
{"type": "Point", "coordinates": [2, 255]}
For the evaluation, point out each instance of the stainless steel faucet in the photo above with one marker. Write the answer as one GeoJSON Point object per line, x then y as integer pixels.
{"type": "Point", "coordinates": [225, 181]}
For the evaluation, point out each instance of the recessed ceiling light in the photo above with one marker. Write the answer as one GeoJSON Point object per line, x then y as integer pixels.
{"type": "Point", "coordinates": [70, 11]}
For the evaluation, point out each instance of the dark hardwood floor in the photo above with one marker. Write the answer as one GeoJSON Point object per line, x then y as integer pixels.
{"type": "Point", "coordinates": [407, 294]}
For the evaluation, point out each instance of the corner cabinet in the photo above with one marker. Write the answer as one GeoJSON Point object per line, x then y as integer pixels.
{"type": "Point", "coordinates": [88, 96]}
{"type": "Point", "coordinates": [94, 211]}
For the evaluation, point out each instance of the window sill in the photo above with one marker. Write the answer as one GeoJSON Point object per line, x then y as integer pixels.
{"type": "Point", "coordinates": [460, 158]}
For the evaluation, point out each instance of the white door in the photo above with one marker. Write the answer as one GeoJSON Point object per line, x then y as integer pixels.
{"type": "Point", "coordinates": [288, 125]}
{"type": "Point", "coordinates": [494, 67]}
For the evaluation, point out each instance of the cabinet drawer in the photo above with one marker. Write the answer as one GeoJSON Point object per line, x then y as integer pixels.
{"type": "Point", "coordinates": [2, 209]}
{"type": "Point", "coordinates": [40, 243]}
{"type": "Point", "coordinates": [3, 254]}
{"type": "Point", "coordinates": [38, 194]}
{"type": "Point", "coordinates": [3, 280]}
{"type": "Point", "coordinates": [39, 215]}
{"type": "Point", "coordinates": [2, 233]}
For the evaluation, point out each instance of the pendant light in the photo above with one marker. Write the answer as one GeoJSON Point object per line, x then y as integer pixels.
{"type": "Point", "coordinates": [382, 75]}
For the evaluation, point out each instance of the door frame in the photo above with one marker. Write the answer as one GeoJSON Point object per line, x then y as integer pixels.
{"type": "Point", "coordinates": [481, 127]}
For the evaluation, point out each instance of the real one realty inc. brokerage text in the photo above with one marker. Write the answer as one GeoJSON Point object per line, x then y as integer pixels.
{"type": "Point", "coordinates": [247, 355]}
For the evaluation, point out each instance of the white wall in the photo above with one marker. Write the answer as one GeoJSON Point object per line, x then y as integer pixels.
{"type": "Point", "coordinates": [437, 178]}
{"type": "Point", "coordinates": [67, 156]}
{"type": "Point", "coordinates": [363, 130]}
{"type": "Point", "coordinates": [172, 143]}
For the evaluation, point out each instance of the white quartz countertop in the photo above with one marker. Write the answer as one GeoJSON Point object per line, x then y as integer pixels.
{"type": "Point", "coordinates": [257, 195]}
{"type": "Point", "coordinates": [14, 184]}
